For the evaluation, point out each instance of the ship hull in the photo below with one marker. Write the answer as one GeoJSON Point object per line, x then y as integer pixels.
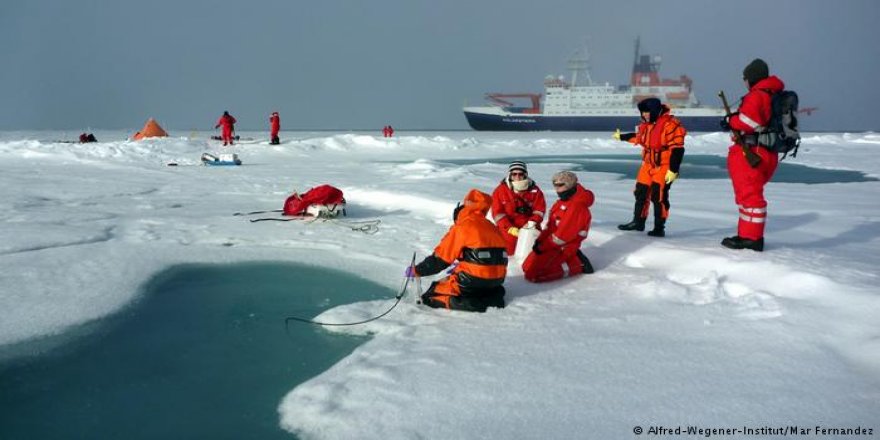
{"type": "Point", "coordinates": [536, 122]}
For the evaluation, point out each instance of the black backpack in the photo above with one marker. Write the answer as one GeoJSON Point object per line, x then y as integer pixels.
{"type": "Point", "coordinates": [781, 134]}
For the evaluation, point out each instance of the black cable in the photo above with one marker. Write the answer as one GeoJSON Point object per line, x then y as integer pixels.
{"type": "Point", "coordinates": [258, 212]}
{"type": "Point", "coordinates": [398, 298]}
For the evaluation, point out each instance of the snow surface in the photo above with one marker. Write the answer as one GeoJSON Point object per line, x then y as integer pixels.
{"type": "Point", "coordinates": [674, 331]}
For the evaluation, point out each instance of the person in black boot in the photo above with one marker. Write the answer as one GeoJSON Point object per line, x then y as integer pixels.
{"type": "Point", "coordinates": [659, 227]}
{"type": "Point", "coordinates": [640, 210]}
{"type": "Point", "coordinates": [749, 179]}
{"type": "Point", "coordinates": [661, 137]}
{"type": "Point", "coordinates": [737, 242]}
{"type": "Point", "coordinates": [586, 266]}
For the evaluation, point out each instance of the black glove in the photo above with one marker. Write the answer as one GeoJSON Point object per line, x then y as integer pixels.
{"type": "Point", "coordinates": [725, 123]}
{"type": "Point", "coordinates": [627, 136]}
{"type": "Point", "coordinates": [535, 248]}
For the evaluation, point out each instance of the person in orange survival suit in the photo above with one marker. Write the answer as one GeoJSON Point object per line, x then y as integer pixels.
{"type": "Point", "coordinates": [661, 136]}
{"type": "Point", "coordinates": [517, 203]}
{"type": "Point", "coordinates": [226, 121]}
{"type": "Point", "coordinates": [477, 281]}
{"type": "Point", "coordinates": [567, 227]}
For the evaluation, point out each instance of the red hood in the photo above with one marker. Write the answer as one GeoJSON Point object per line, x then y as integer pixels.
{"type": "Point", "coordinates": [583, 195]}
{"type": "Point", "coordinates": [772, 84]}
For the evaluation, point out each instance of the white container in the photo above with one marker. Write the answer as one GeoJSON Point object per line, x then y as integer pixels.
{"type": "Point", "coordinates": [524, 243]}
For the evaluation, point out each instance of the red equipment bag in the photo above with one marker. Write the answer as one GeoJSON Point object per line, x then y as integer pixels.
{"type": "Point", "coordinates": [320, 201]}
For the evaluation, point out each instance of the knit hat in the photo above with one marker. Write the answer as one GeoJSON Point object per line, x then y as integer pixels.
{"type": "Point", "coordinates": [567, 178]}
{"type": "Point", "coordinates": [756, 71]}
{"type": "Point", "coordinates": [517, 165]}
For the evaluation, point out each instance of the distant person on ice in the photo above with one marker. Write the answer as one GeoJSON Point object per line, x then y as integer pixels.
{"type": "Point", "coordinates": [274, 128]}
{"type": "Point", "coordinates": [748, 183]}
{"type": "Point", "coordinates": [476, 282]}
{"type": "Point", "coordinates": [567, 226]}
{"type": "Point", "coordinates": [661, 137]}
{"type": "Point", "coordinates": [227, 122]}
{"type": "Point", "coordinates": [87, 138]}
{"type": "Point", "coordinates": [517, 203]}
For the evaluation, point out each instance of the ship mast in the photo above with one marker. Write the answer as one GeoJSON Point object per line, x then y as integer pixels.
{"type": "Point", "coordinates": [579, 64]}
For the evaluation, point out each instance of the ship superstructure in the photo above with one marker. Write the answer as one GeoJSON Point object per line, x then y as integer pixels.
{"type": "Point", "coordinates": [583, 105]}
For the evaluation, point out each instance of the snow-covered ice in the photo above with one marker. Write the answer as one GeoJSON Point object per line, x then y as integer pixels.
{"type": "Point", "coordinates": [674, 331]}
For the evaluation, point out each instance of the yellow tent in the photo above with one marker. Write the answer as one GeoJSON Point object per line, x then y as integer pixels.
{"type": "Point", "coordinates": [151, 129]}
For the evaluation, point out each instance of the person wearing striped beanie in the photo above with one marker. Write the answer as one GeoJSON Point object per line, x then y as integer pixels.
{"type": "Point", "coordinates": [517, 203]}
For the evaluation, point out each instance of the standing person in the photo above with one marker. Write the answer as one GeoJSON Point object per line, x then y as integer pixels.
{"type": "Point", "coordinates": [228, 123]}
{"type": "Point", "coordinates": [385, 131]}
{"type": "Point", "coordinates": [274, 128]}
{"type": "Point", "coordinates": [662, 139]}
{"type": "Point", "coordinates": [567, 228]}
{"type": "Point", "coordinates": [748, 183]}
{"type": "Point", "coordinates": [517, 203]}
{"type": "Point", "coordinates": [476, 282]}
{"type": "Point", "coordinates": [390, 131]}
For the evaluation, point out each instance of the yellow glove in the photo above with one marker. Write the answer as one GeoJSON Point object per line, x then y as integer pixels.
{"type": "Point", "coordinates": [616, 134]}
{"type": "Point", "coordinates": [670, 177]}
{"type": "Point", "coordinates": [513, 231]}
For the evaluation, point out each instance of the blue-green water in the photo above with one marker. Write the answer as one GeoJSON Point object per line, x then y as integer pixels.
{"type": "Point", "coordinates": [694, 166]}
{"type": "Point", "coordinates": [203, 354]}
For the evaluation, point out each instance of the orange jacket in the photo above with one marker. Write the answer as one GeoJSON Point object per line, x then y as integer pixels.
{"type": "Point", "coordinates": [477, 245]}
{"type": "Point", "coordinates": [660, 140]}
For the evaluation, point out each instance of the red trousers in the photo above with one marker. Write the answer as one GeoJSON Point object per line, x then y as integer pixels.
{"type": "Point", "coordinates": [226, 135]}
{"type": "Point", "coordinates": [748, 188]}
{"type": "Point", "coordinates": [547, 266]}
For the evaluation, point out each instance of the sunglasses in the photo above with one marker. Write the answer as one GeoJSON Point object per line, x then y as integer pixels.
{"type": "Point", "coordinates": [559, 185]}
{"type": "Point", "coordinates": [517, 173]}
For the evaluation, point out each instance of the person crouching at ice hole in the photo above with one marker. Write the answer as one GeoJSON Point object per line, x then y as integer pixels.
{"type": "Point", "coordinates": [477, 281]}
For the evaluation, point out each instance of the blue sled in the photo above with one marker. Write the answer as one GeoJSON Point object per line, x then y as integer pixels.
{"type": "Point", "coordinates": [223, 160]}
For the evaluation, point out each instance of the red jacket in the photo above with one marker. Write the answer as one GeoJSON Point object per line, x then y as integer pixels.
{"type": "Point", "coordinates": [754, 111]}
{"type": "Point", "coordinates": [227, 122]}
{"type": "Point", "coordinates": [275, 123]}
{"type": "Point", "coordinates": [569, 222]}
{"type": "Point", "coordinates": [514, 209]}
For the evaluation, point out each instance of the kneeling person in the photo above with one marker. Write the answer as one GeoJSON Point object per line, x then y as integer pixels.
{"type": "Point", "coordinates": [477, 281]}
{"type": "Point", "coordinates": [559, 244]}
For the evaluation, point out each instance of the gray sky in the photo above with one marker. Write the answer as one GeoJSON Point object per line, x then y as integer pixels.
{"type": "Point", "coordinates": [331, 64]}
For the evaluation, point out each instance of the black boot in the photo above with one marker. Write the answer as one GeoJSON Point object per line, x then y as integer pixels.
{"type": "Point", "coordinates": [638, 224]}
{"type": "Point", "coordinates": [659, 227]}
{"type": "Point", "coordinates": [587, 267]}
{"type": "Point", "coordinates": [737, 242]}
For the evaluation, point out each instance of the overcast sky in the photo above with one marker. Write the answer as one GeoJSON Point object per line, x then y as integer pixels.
{"type": "Point", "coordinates": [330, 64]}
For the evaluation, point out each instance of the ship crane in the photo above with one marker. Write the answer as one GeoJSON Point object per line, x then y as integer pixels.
{"type": "Point", "coordinates": [498, 99]}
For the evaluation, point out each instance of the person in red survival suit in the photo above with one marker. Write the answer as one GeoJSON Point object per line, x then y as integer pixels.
{"type": "Point", "coordinates": [477, 281]}
{"type": "Point", "coordinates": [517, 203]}
{"type": "Point", "coordinates": [662, 139]}
{"type": "Point", "coordinates": [748, 183]}
{"type": "Point", "coordinates": [228, 123]}
{"type": "Point", "coordinates": [274, 128]}
{"type": "Point", "coordinates": [568, 225]}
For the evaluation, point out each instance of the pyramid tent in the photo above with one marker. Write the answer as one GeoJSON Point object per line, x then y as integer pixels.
{"type": "Point", "coordinates": [151, 129]}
